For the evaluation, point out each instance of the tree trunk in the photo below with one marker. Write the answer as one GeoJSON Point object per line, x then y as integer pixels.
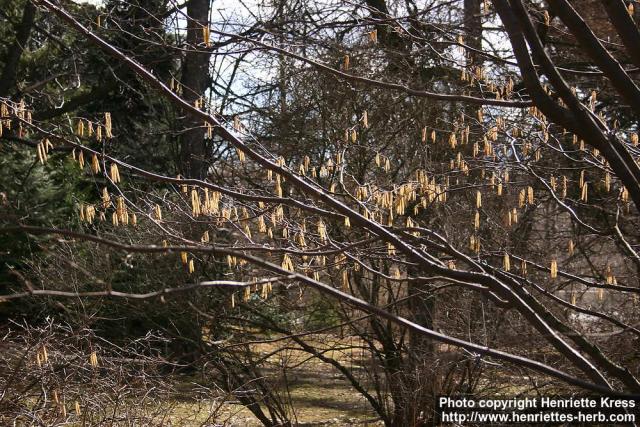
{"type": "Point", "coordinates": [23, 31]}
{"type": "Point", "coordinates": [473, 29]}
{"type": "Point", "coordinates": [195, 81]}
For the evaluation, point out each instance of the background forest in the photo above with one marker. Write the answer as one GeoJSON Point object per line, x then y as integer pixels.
{"type": "Point", "coordinates": [275, 212]}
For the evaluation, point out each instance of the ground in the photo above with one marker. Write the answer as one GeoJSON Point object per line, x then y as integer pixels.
{"type": "Point", "coordinates": [319, 394]}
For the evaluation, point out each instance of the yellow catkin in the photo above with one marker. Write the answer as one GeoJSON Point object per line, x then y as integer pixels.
{"type": "Point", "coordinates": [460, 41]}
{"type": "Point", "coordinates": [107, 125]}
{"type": "Point", "coordinates": [584, 195]}
{"type": "Point", "coordinates": [89, 213]}
{"type": "Point", "coordinates": [262, 225]}
{"type": "Point", "coordinates": [206, 34]}
{"type": "Point", "coordinates": [514, 215]}
{"type": "Point", "coordinates": [80, 128]}
{"type": "Point", "coordinates": [40, 154]}
{"type": "Point", "coordinates": [506, 262]}
{"type": "Point", "coordinates": [241, 155]}
{"type": "Point", "coordinates": [391, 250]}
{"type": "Point", "coordinates": [95, 164]}
{"type": "Point", "coordinates": [196, 205]}
{"type": "Point", "coordinates": [191, 266]}
{"type": "Point", "coordinates": [609, 275]}
{"type": "Point", "coordinates": [93, 359]}
{"type": "Point", "coordinates": [322, 230]}
{"type": "Point", "coordinates": [554, 268]}
{"type": "Point", "coordinates": [278, 186]}
{"type": "Point", "coordinates": [114, 173]}
{"type": "Point", "coordinates": [158, 212]}
{"type": "Point", "coordinates": [120, 207]}
{"type": "Point", "coordinates": [453, 141]}
{"type": "Point", "coordinates": [287, 264]}
{"type": "Point", "coordinates": [106, 198]}
{"type": "Point", "coordinates": [346, 62]}
{"type": "Point", "coordinates": [264, 293]}
{"type": "Point", "coordinates": [478, 199]}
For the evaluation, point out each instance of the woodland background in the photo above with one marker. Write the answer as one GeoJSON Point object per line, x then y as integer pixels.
{"type": "Point", "coordinates": [314, 212]}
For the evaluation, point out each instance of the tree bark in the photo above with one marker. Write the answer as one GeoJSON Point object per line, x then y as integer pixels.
{"type": "Point", "coordinates": [23, 32]}
{"type": "Point", "coordinates": [195, 81]}
{"type": "Point", "coordinates": [473, 30]}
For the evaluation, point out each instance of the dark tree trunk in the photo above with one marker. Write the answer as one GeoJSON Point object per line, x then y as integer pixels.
{"type": "Point", "coordinates": [195, 81]}
{"type": "Point", "coordinates": [12, 62]}
{"type": "Point", "coordinates": [473, 29]}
